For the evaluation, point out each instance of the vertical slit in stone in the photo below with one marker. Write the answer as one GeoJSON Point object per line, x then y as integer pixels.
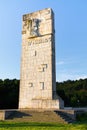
{"type": "Point", "coordinates": [42, 85]}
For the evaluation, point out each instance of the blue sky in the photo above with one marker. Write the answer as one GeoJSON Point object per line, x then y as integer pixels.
{"type": "Point", "coordinates": [71, 36]}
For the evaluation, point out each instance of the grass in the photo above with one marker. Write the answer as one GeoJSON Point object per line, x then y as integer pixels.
{"type": "Point", "coordinates": [4, 125]}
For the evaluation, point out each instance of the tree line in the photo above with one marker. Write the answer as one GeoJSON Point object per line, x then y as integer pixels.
{"type": "Point", "coordinates": [74, 93]}
{"type": "Point", "coordinates": [9, 94]}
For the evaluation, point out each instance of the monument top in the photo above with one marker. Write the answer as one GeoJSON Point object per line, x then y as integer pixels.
{"type": "Point", "coordinates": [33, 23]}
{"type": "Point", "coordinates": [42, 10]}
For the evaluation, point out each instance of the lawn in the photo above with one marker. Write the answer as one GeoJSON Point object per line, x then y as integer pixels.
{"type": "Point", "coordinates": [6, 125]}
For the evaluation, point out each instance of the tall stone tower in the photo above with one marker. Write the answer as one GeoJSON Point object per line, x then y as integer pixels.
{"type": "Point", "coordinates": [38, 76]}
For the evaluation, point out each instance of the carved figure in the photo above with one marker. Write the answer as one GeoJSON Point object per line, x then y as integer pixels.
{"type": "Point", "coordinates": [33, 27]}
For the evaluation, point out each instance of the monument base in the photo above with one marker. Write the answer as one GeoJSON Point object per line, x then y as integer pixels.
{"type": "Point", "coordinates": [43, 104]}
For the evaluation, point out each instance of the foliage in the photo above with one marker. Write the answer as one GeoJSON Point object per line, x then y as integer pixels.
{"type": "Point", "coordinates": [74, 93]}
{"type": "Point", "coordinates": [9, 90]}
{"type": "Point", "coordinates": [82, 116]}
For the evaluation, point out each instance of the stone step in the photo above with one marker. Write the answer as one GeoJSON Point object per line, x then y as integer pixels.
{"type": "Point", "coordinates": [65, 117]}
{"type": "Point", "coordinates": [35, 116]}
{"type": "Point", "coordinates": [40, 116]}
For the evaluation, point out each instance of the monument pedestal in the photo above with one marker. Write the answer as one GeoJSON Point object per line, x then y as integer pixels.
{"type": "Point", "coordinates": [44, 104]}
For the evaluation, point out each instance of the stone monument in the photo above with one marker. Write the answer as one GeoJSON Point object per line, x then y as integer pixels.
{"type": "Point", "coordinates": [38, 76]}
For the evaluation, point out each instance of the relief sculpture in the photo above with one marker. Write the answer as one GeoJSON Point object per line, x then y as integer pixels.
{"type": "Point", "coordinates": [33, 27]}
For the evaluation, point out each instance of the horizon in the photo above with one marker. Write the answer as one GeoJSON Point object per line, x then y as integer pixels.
{"type": "Point", "coordinates": [56, 81]}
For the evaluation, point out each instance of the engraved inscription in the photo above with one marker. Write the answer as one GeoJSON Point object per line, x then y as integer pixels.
{"type": "Point", "coordinates": [32, 42]}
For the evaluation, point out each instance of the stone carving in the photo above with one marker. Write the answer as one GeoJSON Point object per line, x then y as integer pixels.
{"type": "Point", "coordinates": [42, 85]}
{"type": "Point", "coordinates": [30, 84]}
{"type": "Point", "coordinates": [30, 26]}
{"type": "Point", "coordinates": [42, 67]}
{"type": "Point", "coordinates": [33, 27]}
{"type": "Point", "coordinates": [33, 53]}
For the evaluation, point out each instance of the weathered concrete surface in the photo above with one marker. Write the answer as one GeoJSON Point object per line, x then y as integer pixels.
{"type": "Point", "coordinates": [38, 75]}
